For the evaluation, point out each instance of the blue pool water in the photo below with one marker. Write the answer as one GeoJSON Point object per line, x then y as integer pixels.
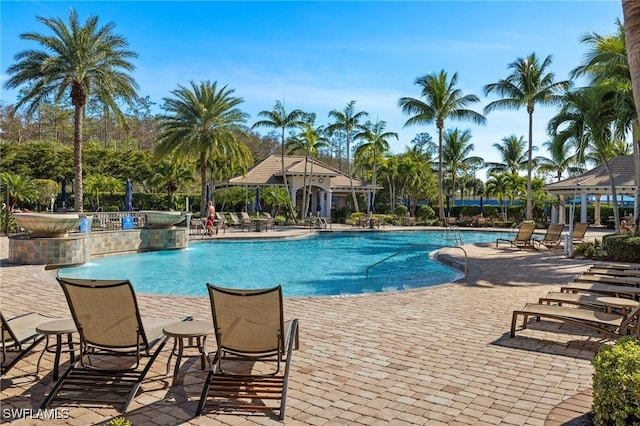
{"type": "Point", "coordinates": [324, 264]}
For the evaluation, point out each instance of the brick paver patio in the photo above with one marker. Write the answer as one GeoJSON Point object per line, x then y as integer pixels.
{"type": "Point", "coordinates": [433, 356]}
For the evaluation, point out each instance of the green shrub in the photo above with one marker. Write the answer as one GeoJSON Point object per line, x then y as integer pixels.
{"type": "Point", "coordinates": [401, 210]}
{"type": "Point", "coordinates": [622, 248]}
{"type": "Point", "coordinates": [119, 421]}
{"type": "Point", "coordinates": [616, 383]}
{"type": "Point", "coordinates": [425, 212]}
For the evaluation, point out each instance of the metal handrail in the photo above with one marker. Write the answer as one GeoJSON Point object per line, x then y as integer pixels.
{"type": "Point", "coordinates": [366, 272]}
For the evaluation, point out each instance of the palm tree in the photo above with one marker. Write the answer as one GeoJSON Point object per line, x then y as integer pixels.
{"type": "Point", "coordinates": [279, 119]}
{"type": "Point", "coordinates": [171, 176]}
{"type": "Point", "coordinates": [528, 84]}
{"type": "Point", "coordinates": [441, 101]}
{"type": "Point", "coordinates": [348, 121]}
{"type": "Point", "coordinates": [455, 152]}
{"type": "Point", "coordinates": [77, 61]}
{"type": "Point", "coordinates": [514, 155]}
{"type": "Point", "coordinates": [202, 122]}
{"type": "Point", "coordinates": [560, 159]}
{"type": "Point", "coordinates": [497, 184]}
{"type": "Point", "coordinates": [607, 61]}
{"type": "Point", "coordinates": [587, 118]}
{"type": "Point", "coordinates": [310, 140]}
{"type": "Point", "coordinates": [374, 147]}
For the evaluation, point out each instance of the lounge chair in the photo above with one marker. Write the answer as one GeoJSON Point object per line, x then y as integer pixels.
{"type": "Point", "coordinates": [114, 339]}
{"type": "Point", "coordinates": [610, 324]}
{"type": "Point", "coordinates": [269, 223]}
{"type": "Point", "coordinates": [254, 346]}
{"type": "Point", "coordinates": [580, 299]}
{"type": "Point", "coordinates": [551, 238]}
{"type": "Point", "coordinates": [235, 221]}
{"type": "Point", "coordinates": [523, 237]}
{"type": "Point", "coordinates": [615, 272]}
{"type": "Point", "coordinates": [615, 265]}
{"type": "Point", "coordinates": [19, 337]}
{"type": "Point", "coordinates": [601, 288]}
{"type": "Point", "coordinates": [221, 222]}
{"type": "Point", "coordinates": [246, 220]}
{"type": "Point", "coordinates": [607, 279]}
{"type": "Point", "coordinates": [579, 230]}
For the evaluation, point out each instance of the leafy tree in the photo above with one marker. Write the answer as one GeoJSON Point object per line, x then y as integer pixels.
{"type": "Point", "coordinates": [78, 60]}
{"type": "Point", "coordinates": [441, 101]}
{"type": "Point", "coordinates": [528, 84]}
{"type": "Point", "coordinates": [171, 176]}
{"type": "Point", "coordinates": [20, 188]}
{"type": "Point", "coordinates": [95, 184]}
{"type": "Point", "coordinates": [202, 121]}
{"type": "Point", "coordinates": [374, 147]}
{"type": "Point", "coordinates": [348, 121]}
{"type": "Point", "coordinates": [514, 155]}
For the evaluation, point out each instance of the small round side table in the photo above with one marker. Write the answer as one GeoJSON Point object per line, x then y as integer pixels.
{"type": "Point", "coordinates": [196, 334]}
{"type": "Point", "coordinates": [617, 302]}
{"type": "Point", "coordinates": [57, 328]}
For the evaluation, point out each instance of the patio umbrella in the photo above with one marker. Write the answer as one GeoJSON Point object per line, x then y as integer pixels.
{"type": "Point", "coordinates": [409, 204]}
{"type": "Point", "coordinates": [481, 206]}
{"type": "Point", "coordinates": [208, 194]}
{"type": "Point", "coordinates": [310, 204]}
{"type": "Point", "coordinates": [318, 206]}
{"type": "Point", "coordinates": [448, 210]}
{"type": "Point", "coordinates": [371, 202]}
{"type": "Point", "coordinates": [128, 197]}
{"type": "Point", "coordinates": [258, 205]}
{"type": "Point", "coordinates": [63, 191]}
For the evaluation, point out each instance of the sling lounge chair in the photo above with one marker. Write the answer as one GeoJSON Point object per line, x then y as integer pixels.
{"type": "Point", "coordinates": [235, 222]}
{"type": "Point", "coordinates": [523, 237]}
{"type": "Point", "coordinates": [610, 324]}
{"type": "Point", "coordinates": [602, 288]}
{"type": "Point", "coordinates": [246, 220]}
{"type": "Point", "coordinates": [19, 337]}
{"type": "Point", "coordinates": [254, 346]}
{"type": "Point", "coordinates": [551, 239]}
{"type": "Point", "coordinates": [608, 279]}
{"type": "Point", "coordinates": [579, 230]}
{"type": "Point", "coordinates": [615, 272]}
{"type": "Point", "coordinates": [114, 340]}
{"type": "Point", "coordinates": [579, 299]}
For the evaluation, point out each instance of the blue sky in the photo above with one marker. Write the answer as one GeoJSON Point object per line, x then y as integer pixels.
{"type": "Point", "coordinates": [318, 56]}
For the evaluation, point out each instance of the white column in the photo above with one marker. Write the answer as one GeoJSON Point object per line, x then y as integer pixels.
{"type": "Point", "coordinates": [554, 213]}
{"type": "Point", "coordinates": [583, 207]}
{"type": "Point", "coordinates": [596, 214]}
{"type": "Point", "coordinates": [562, 213]}
{"type": "Point", "coordinates": [328, 197]}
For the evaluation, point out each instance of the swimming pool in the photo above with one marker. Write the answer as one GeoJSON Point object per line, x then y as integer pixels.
{"type": "Point", "coordinates": [338, 263]}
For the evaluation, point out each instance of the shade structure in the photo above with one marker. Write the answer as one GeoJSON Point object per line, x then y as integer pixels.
{"type": "Point", "coordinates": [481, 209]}
{"type": "Point", "coordinates": [318, 205]}
{"type": "Point", "coordinates": [128, 197]}
{"type": "Point", "coordinates": [258, 205]}
{"type": "Point", "coordinates": [63, 191]}
{"type": "Point", "coordinates": [448, 209]}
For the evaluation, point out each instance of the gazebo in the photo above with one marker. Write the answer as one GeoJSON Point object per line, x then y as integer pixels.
{"type": "Point", "coordinates": [332, 188]}
{"type": "Point", "coordinates": [596, 183]}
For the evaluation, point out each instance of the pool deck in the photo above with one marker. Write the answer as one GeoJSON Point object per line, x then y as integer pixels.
{"type": "Point", "coordinates": [435, 356]}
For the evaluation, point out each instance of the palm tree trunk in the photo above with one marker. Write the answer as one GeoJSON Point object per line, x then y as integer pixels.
{"type": "Point", "coordinates": [353, 190]}
{"type": "Point", "coordinates": [203, 184]}
{"type": "Point", "coordinates": [631, 10]}
{"type": "Point", "coordinates": [77, 158]}
{"type": "Point", "coordinates": [616, 213]}
{"type": "Point", "coordinates": [529, 212]}
{"type": "Point", "coordinates": [440, 167]}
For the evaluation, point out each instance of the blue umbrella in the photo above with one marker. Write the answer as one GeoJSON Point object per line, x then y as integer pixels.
{"type": "Point", "coordinates": [63, 191]}
{"type": "Point", "coordinates": [371, 202]}
{"type": "Point", "coordinates": [448, 210]}
{"type": "Point", "coordinates": [481, 206]}
{"type": "Point", "coordinates": [128, 197]}
{"type": "Point", "coordinates": [318, 206]}
{"type": "Point", "coordinates": [208, 196]}
{"type": "Point", "coordinates": [258, 205]}
{"type": "Point", "coordinates": [310, 204]}
{"type": "Point", "coordinates": [409, 203]}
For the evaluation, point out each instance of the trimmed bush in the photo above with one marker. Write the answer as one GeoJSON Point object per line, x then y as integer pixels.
{"type": "Point", "coordinates": [616, 383]}
{"type": "Point", "coordinates": [401, 210]}
{"type": "Point", "coordinates": [425, 212]}
{"type": "Point", "coordinates": [622, 248]}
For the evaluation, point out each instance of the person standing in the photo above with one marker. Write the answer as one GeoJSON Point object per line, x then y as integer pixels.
{"type": "Point", "coordinates": [211, 214]}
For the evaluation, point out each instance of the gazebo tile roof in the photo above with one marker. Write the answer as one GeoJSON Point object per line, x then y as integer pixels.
{"type": "Point", "coordinates": [597, 180]}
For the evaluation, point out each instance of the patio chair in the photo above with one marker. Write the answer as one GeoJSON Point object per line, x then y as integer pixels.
{"type": "Point", "coordinates": [615, 272]}
{"type": "Point", "coordinates": [269, 223]}
{"type": "Point", "coordinates": [254, 347]}
{"type": "Point", "coordinates": [235, 221]}
{"type": "Point", "coordinates": [579, 299]}
{"type": "Point", "coordinates": [610, 324]}
{"type": "Point", "coordinates": [523, 237]}
{"type": "Point", "coordinates": [114, 340]}
{"type": "Point", "coordinates": [221, 222]}
{"type": "Point", "coordinates": [579, 230]}
{"type": "Point", "coordinates": [551, 238]}
{"type": "Point", "coordinates": [19, 337]}
{"type": "Point", "coordinates": [602, 288]}
{"type": "Point", "coordinates": [607, 279]}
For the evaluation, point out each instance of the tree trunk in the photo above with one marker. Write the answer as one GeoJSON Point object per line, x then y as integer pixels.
{"type": "Point", "coordinates": [353, 190]}
{"type": "Point", "coordinates": [77, 158]}
{"type": "Point", "coordinates": [529, 212]}
{"type": "Point", "coordinates": [203, 184]}
{"type": "Point", "coordinates": [440, 183]}
{"type": "Point", "coordinates": [631, 11]}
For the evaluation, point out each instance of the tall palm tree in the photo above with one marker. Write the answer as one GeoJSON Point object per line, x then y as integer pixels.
{"type": "Point", "coordinates": [77, 61]}
{"type": "Point", "coordinates": [310, 140]}
{"type": "Point", "coordinates": [561, 159]}
{"type": "Point", "coordinates": [607, 61]}
{"type": "Point", "coordinates": [441, 101]}
{"type": "Point", "coordinates": [528, 84]}
{"type": "Point", "coordinates": [202, 122]}
{"type": "Point", "coordinates": [587, 118]}
{"type": "Point", "coordinates": [456, 152]}
{"type": "Point", "coordinates": [279, 119]}
{"type": "Point", "coordinates": [348, 121]}
{"type": "Point", "coordinates": [513, 152]}
{"type": "Point", "coordinates": [374, 147]}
